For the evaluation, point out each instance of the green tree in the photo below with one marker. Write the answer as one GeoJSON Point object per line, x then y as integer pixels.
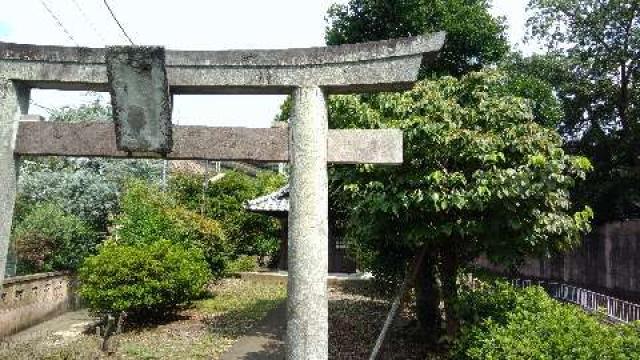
{"type": "Point", "coordinates": [149, 215]}
{"type": "Point", "coordinates": [480, 176]}
{"type": "Point", "coordinates": [249, 233]}
{"type": "Point", "coordinates": [593, 64]}
{"type": "Point", "coordinates": [474, 37]}
{"type": "Point", "coordinates": [94, 111]}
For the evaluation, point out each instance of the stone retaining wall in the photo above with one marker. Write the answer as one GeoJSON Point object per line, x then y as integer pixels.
{"type": "Point", "coordinates": [31, 299]}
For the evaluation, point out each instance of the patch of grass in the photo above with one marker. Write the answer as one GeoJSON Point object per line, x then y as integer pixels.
{"type": "Point", "coordinates": [234, 311]}
{"type": "Point", "coordinates": [253, 299]}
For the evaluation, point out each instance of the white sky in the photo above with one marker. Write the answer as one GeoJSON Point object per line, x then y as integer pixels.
{"type": "Point", "coordinates": [190, 25]}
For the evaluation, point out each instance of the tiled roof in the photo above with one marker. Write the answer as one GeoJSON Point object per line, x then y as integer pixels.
{"type": "Point", "coordinates": [277, 201]}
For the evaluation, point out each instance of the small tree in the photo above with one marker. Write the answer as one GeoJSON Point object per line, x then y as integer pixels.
{"type": "Point", "coordinates": [149, 215]}
{"type": "Point", "coordinates": [479, 177]}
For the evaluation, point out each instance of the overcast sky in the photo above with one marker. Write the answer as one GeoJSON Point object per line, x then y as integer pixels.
{"type": "Point", "coordinates": [190, 25]}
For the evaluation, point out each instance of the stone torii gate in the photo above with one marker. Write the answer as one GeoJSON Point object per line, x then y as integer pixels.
{"type": "Point", "coordinates": [308, 74]}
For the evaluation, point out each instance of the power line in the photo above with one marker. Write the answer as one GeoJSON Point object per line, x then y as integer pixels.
{"type": "Point", "coordinates": [48, 109]}
{"type": "Point", "coordinates": [89, 22]}
{"type": "Point", "coordinates": [117, 22]}
{"type": "Point", "coordinates": [59, 22]}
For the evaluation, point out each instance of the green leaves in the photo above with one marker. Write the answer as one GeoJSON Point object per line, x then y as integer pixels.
{"type": "Point", "coordinates": [478, 171]}
{"type": "Point", "coordinates": [502, 322]}
{"type": "Point", "coordinates": [149, 278]}
{"type": "Point", "coordinates": [149, 215]}
{"type": "Point", "coordinates": [49, 239]}
{"type": "Point", "coordinates": [594, 49]}
{"type": "Point", "coordinates": [223, 200]}
{"type": "Point", "coordinates": [474, 37]}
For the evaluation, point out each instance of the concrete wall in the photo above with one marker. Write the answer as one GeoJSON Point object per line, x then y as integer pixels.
{"type": "Point", "coordinates": [608, 261]}
{"type": "Point", "coordinates": [28, 300]}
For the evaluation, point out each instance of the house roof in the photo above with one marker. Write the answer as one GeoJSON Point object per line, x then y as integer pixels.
{"type": "Point", "coordinates": [276, 203]}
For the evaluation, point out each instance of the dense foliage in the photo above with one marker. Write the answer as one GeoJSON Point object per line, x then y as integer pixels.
{"type": "Point", "coordinates": [502, 322]}
{"type": "Point", "coordinates": [49, 239]}
{"type": "Point", "coordinates": [474, 37]}
{"type": "Point", "coordinates": [224, 198]}
{"type": "Point", "coordinates": [142, 279]}
{"type": "Point", "coordinates": [592, 63]}
{"type": "Point", "coordinates": [149, 215]}
{"type": "Point", "coordinates": [243, 263]}
{"type": "Point", "coordinates": [480, 176]}
{"type": "Point", "coordinates": [78, 190]}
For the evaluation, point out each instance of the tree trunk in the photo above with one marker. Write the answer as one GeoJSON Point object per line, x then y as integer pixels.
{"type": "Point", "coordinates": [428, 299]}
{"type": "Point", "coordinates": [449, 277]}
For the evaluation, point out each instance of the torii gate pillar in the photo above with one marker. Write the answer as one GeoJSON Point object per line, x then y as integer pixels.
{"type": "Point", "coordinates": [307, 325]}
{"type": "Point", "coordinates": [14, 101]}
{"type": "Point", "coordinates": [308, 74]}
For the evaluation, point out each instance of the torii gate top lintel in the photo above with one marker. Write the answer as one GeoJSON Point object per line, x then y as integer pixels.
{"type": "Point", "coordinates": [386, 65]}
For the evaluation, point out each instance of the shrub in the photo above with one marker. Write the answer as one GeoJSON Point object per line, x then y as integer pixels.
{"type": "Point", "coordinates": [249, 233]}
{"type": "Point", "coordinates": [149, 215]}
{"type": "Point", "coordinates": [143, 279]}
{"type": "Point", "coordinates": [243, 263]}
{"type": "Point", "coordinates": [506, 323]}
{"type": "Point", "coordinates": [49, 239]}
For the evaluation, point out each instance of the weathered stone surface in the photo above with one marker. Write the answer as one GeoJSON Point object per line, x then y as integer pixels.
{"type": "Point", "coordinates": [307, 319]}
{"type": "Point", "coordinates": [376, 66]}
{"type": "Point", "coordinates": [357, 146]}
{"type": "Point", "coordinates": [140, 98]}
{"type": "Point", "coordinates": [28, 300]}
{"type": "Point", "coordinates": [97, 139]}
{"type": "Point", "coordinates": [10, 106]}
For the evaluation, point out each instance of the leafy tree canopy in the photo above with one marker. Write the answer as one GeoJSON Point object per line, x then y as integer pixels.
{"type": "Point", "coordinates": [49, 239]}
{"type": "Point", "coordinates": [474, 37]}
{"type": "Point", "coordinates": [593, 64]}
{"type": "Point", "coordinates": [149, 215]}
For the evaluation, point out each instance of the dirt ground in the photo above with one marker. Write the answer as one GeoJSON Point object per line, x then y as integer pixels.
{"type": "Point", "coordinates": [212, 325]}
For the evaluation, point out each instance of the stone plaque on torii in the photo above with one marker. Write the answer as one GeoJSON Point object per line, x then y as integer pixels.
{"type": "Point", "coordinates": [307, 74]}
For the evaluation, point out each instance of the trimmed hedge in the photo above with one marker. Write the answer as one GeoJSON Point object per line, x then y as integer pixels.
{"type": "Point", "coordinates": [502, 322]}
{"type": "Point", "coordinates": [144, 279]}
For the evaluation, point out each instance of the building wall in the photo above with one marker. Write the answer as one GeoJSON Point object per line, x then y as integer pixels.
{"type": "Point", "coordinates": [608, 261]}
{"type": "Point", "coordinates": [28, 300]}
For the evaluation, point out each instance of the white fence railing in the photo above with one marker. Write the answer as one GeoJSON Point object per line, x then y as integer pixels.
{"type": "Point", "coordinates": [615, 309]}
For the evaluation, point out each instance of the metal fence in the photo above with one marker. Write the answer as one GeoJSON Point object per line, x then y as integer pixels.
{"type": "Point", "coordinates": [616, 310]}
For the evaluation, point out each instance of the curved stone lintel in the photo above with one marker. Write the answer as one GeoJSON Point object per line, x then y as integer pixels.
{"type": "Point", "coordinates": [375, 66]}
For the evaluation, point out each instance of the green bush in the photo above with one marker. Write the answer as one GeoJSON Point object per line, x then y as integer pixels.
{"type": "Point", "coordinates": [49, 239]}
{"type": "Point", "coordinates": [243, 263]}
{"type": "Point", "coordinates": [144, 279]}
{"type": "Point", "coordinates": [501, 322]}
{"type": "Point", "coordinates": [249, 233]}
{"type": "Point", "coordinates": [149, 215]}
